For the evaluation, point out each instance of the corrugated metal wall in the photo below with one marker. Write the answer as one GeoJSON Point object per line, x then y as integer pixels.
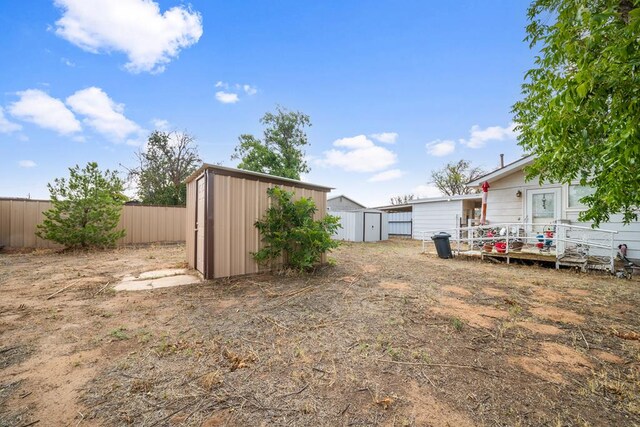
{"type": "Point", "coordinates": [190, 223]}
{"type": "Point", "coordinates": [348, 222]}
{"type": "Point", "coordinates": [144, 224]}
{"type": "Point", "coordinates": [237, 204]}
{"type": "Point", "coordinates": [353, 225]}
{"type": "Point", "coordinates": [400, 223]}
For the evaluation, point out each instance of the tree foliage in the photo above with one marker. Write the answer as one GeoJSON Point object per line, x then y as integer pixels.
{"type": "Point", "coordinates": [290, 233]}
{"type": "Point", "coordinates": [280, 152]}
{"type": "Point", "coordinates": [86, 208]}
{"type": "Point", "coordinates": [453, 177]}
{"type": "Point", "coordinates": [402, 199]}
{"type": "Point", "coordinates": [580, 112]}
{"type": "Point", "coordinates": [167, 160]}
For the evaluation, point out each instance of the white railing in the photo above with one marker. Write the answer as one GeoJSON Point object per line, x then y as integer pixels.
{"type": "Point", "coordinates": [563, 240]}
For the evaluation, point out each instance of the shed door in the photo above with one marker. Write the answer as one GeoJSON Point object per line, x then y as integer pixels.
{"type": "Point", "coordinates": [372, 224]}
{"type": "Point", "coordinates": [200, 222]}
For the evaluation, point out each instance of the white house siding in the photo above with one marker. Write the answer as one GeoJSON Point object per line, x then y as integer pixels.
{"type": "Point", "coordinates": [502, 203]}
{"type": "Point", "coordinates": [503, 206]}
{"type": "Point", "coordinates": [435, 216]}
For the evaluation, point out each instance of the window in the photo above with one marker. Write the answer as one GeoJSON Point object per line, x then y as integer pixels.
{"type": "Point", "coordinates": [577, 192]}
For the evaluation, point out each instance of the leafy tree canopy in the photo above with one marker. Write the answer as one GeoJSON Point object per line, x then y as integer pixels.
{"type": "Point", "coordinates": [453, 177]}
{"type": "Point", "coordinates": [580, 112]}
{"type": "Point", "coordinates": [168, 159]}
{"type": "Point", "coordinates": [290, 233]}
{"type": "Point", "coordinates": [86, 208]}
{"type": "Point", "coordinates": [280, 152]}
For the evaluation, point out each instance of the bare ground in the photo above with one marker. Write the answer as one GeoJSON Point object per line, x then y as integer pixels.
{"type": "Point", "coordinates": [387, 336]}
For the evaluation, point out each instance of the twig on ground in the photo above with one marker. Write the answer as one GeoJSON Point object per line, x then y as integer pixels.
{"type": "Point", "coordinates": [101, 289]}
{"type": "Point", "coordinates": [292, 295]}
{"type": "Point", "coordinates": [440, 365]}
{"type": "Point", "coordinates": [296, 392]}
{"type": "Point", "coordinates": [63, 289]}
{"type": "Point", "coordinates": [583, 337]}
{"type": "Point", "coordinates": [173, 413]}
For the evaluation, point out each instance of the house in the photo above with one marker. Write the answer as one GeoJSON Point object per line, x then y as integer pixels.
{"type": "Point", "coordinates": [445, 213]}
{"type": "Point", "coordinates": [223, 205]}
{"type": "Point", "coordinates": [362, 225]}
{"type": "Point", "coordinates": [343, 203]}
{"type": "Point", "coordinates": [512, 200]}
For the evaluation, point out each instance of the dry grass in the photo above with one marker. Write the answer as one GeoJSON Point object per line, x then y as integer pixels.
{"type": "Point", "coordinates": [386, 337]}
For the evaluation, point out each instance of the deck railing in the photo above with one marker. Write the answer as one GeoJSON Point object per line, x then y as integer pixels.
{"type": "Point", "coordinates": [565, 241]}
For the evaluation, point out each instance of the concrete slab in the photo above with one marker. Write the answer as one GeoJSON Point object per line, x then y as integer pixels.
{"type": "Point", "coordinates": [162, 282]}
{"type": "Point", "coordinates": [155, 274]}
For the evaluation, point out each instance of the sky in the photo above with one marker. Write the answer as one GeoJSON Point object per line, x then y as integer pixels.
{"type": "Point", "coordinates": [394, 89]}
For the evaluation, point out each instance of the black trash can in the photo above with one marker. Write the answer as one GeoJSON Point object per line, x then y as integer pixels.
{"type": "Point", "coordinates": [443, 246]}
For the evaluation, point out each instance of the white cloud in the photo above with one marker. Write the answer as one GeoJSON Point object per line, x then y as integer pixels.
{"type": "Point", "coordinates": [222, 84]}
{"type": "Point", "coordinates": [149, 38]}
{"type": "Point", "coordinates": [424, 191]}
{"type": "Point", "coordinates": [67, 62]}
{"type": "Point", "coordinates": [6, 126]}
{"type": "Point", "coordinates": [387, 175]}
{"type": "Point", "coordinates": [440, 148]}
{"type": "Point", "coordinates": [102, 113]}
{"type": "Point", "coordinates": [361, 155]}
{"type": "Point", "coordinates": [161, 124]}
{"type": "Point", "coordinates": [27, 164]}
{"type": "Point", "coordinates": [249, 90]}
{"type": "Point", "coordinates": [359, 141]}
{"type": "Point", "coordinates": [37, 107]}
{"type": "Point", "coordinates": [386, 137]}
{"type": "Point", "coordinates": [479, 137]}
{"type": "Point", "coordinates": [227, 97]}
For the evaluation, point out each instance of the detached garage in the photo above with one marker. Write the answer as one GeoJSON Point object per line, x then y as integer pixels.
{"type": "Point", "coordinates": [364, 225]}
{"type": "Point", "coordinates": [223, 205]}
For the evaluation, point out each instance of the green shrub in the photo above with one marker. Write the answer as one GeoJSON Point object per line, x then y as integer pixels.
{"type": "Point", "coordinates": [290, 233]}
{"type": "Point", "coordinates": [86, 208]}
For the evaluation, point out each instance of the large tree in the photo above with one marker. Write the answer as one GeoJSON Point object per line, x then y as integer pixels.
{"type": "Point", "coordinates": [280, 152]}
{"type": "Point", "coordinates": [86, 208]}
{"type": "Point", "coordinates": [453, 177]}
{"type": "Point", "coordinates": [164, 163]}
{"type": "Point", "coordinates": [580, 114]}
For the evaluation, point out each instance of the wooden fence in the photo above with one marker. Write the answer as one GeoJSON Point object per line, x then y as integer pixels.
{"type": "Point", "coordinates": [144, 224]}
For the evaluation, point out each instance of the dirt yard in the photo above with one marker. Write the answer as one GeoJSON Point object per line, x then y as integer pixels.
{"type": "Point", "coordinates": [388, 336]}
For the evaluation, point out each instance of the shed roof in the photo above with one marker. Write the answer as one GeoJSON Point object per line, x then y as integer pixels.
{"type": "Point", "coordinates": [255, 176]}
{"type": "Point", "coordinates": [345, 197]}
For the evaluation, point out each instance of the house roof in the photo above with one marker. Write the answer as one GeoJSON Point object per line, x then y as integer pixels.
{"type": "Point", "coordinates": [396, 208]}
{"type": "Point", "coordinates": [256, 176]}
{"type": "Point", "coordinates": [499, 173]}
{"type": "Point", "coordinates": [348, 198]}
{"type": "Point", "coordinates": [477, 196]}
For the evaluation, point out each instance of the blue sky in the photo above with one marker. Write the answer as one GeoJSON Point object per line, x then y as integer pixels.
{"type": "Point", "coordinates": [395, 89]}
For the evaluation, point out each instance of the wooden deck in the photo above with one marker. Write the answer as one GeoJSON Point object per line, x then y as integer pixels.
{"type": "Point", "coordinates": [534, 254]}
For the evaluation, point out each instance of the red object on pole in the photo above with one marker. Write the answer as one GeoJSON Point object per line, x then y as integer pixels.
{"type": "Point", "coordinates": [485, 191]}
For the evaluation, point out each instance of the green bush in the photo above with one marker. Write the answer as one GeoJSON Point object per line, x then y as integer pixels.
{"type": "Point", "coordinates": [290, 233]}
{"type": "Point", "coordinates": [86, 208]}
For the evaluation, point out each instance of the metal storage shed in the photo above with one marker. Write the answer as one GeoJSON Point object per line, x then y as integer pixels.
{"type": "Point", "coordinates": [223, 205]}
{"type": "Point", "coordinates": [364, 225]}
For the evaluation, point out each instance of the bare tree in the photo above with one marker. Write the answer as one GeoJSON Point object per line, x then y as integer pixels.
{"type": "Point", "coordinates": [402, 199]}
{"type": "Point", "coordinates": [164, 163]}
{"type": "Point", "coordinates": [452, 178]}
